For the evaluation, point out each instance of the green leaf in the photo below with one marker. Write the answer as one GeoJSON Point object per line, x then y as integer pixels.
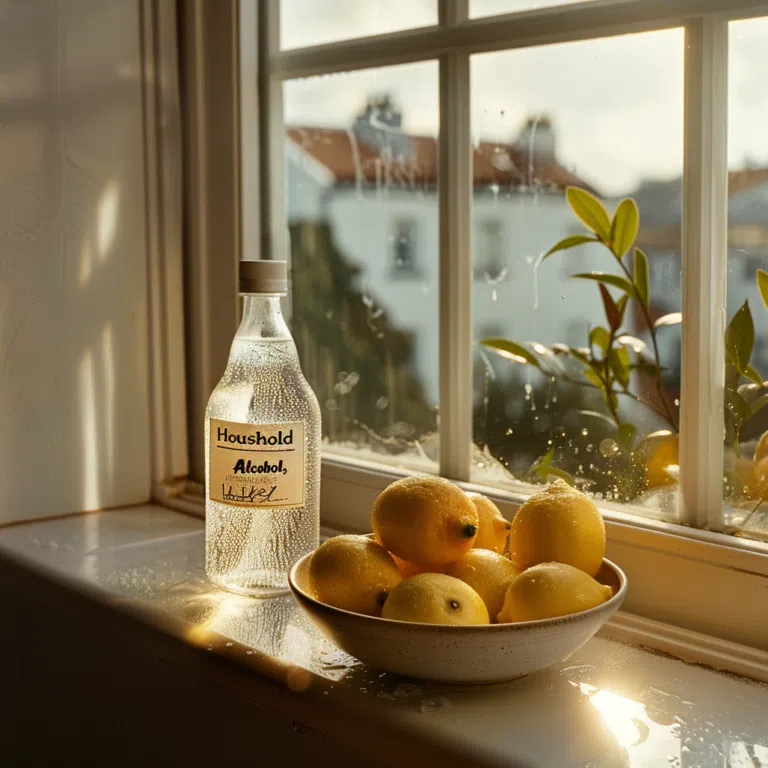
{"type": "Point", "coordinates": [594, 378]}
{"type": "Point", "coordinates": [543, 463]}
{"type": "Point", "coordinates": [510, 350]}
{"type": "Point", "coordinates": [624, 226]}
{"type": "Point", "coordinates": [579, 353]}
{"type": "Point", "coordinates": [609, 279]}
{"type": "Point", "coordinates": [621, 306]}
{"type": "Point", "coordinates": [611, 310]}
{"type": "Point", "coordinates": [762, 285]}
{"type": "Point", "coordinates": [737, 405]}
{"type": "Point", "coordinates": [641, 276]}
{"type": "Point", "coordinates": [761, 402]}
{"type": "Point", "coordinates": [597, 415]}
{"type": "Point", "coordinates": [562, 474]}
{"type": "Point", "coordinates": [620, 364]}
{"type": "Point", "coordinates": [625, 436]}
{"type": "Point", "coordinates": [590, 210]}
{"type": "Point", "coordinates": [753, 375]}
{"type": "Point", "coordinates": [740, 338]}
{"type": "Point", "coordinates": [569, 242]}
{"type": "Point", "coordinates": [600, 338]}
{"type": "Point", "coordinates": [673, 318]}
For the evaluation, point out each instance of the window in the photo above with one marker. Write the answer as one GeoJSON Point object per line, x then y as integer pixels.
{"type": "Point", "coordinates": [360, 160]}
{"type": "Point", "coordinates": [527, 107]}
{"type": "Point", "coordinates": [550, 413]}
{"type": "Point", "coordinates": [746, 302]}
{"type": "Point", "coordinates": [405, 252]}
{"type": "Point", "coordinates": [490, 265]}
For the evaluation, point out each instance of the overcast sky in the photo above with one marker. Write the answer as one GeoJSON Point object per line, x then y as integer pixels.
{"type": "Point", "coordinates": [616, 103]}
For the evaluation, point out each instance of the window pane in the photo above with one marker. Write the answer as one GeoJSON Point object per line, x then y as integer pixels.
{"type": "Point", "coordinates": [361, 180]}
{"type": "Point", "coordinates": [313, 22]}
{"type": "Point", "coordinates": [745, 421]}
{"type": "Point", "coordinates": [492, 7]}
{"type": "Point", "coordinates": [539, 129]}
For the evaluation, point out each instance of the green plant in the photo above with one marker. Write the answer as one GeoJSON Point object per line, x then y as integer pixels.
{"type": "Point", "coordinates": [611, 354]}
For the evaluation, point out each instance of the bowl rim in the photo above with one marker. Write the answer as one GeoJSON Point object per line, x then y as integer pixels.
{"type": "Point", "coordinates": [617, 599]}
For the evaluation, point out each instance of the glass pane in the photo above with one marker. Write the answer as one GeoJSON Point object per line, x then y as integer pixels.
{"type": "Point", "coordinates": [538, 131]}
{"type": "Point", "coordinates": [492, 7]}
{"type": "Point", "coordinates": [361, 176]}
{"type": "Point", "coordinates": [313, 22]}
{"type": "Point", "coordinates": [745, 421]}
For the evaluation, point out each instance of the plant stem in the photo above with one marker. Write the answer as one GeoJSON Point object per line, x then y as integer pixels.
{"type": "Point", "coordinates": [669, 413]}
{"type": "Point", "coordinates": [608, 381]}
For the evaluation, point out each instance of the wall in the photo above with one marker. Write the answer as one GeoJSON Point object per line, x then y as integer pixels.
{"type": "Point", "coordinates": [74, 402]}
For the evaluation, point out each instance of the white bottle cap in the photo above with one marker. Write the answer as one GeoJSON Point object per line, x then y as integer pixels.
{"type": "Point", "coordinates": [263, 276]}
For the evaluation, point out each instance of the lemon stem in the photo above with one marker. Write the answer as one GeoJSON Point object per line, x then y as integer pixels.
{"type": "Point", "coordinates": [469, 530]}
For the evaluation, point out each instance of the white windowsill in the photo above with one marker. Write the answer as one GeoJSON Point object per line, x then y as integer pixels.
{"type": "Point", "coordinates": [149, 560]}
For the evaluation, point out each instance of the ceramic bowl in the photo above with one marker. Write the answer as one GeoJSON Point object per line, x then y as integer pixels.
{"type": "Point", "coordinates": [458, 654]}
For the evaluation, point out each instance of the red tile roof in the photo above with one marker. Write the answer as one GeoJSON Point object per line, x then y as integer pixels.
{"type": "Point", "coordinates": [493, 163]}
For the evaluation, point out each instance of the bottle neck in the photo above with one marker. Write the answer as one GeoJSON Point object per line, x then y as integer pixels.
{"type": "Point", "coordinates": [263, 318]}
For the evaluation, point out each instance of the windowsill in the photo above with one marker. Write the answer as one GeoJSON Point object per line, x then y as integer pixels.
{"type": "Point", "coordinates": [148, 561]}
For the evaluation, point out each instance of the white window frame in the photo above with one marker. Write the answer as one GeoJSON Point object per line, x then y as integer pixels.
{"type": "Point", "coordinates": [687, 574]}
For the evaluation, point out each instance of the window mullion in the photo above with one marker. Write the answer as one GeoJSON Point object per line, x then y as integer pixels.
{"type": "Point", "coordinates": [704, 262]}
{"type": "Point", "coordinates": [274, 240]}
{"type": "Point", "coordinates": [455, 196]}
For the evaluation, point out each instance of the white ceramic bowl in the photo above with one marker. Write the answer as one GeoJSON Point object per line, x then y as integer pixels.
{"type": "Point", "coordinates": [459, 654]}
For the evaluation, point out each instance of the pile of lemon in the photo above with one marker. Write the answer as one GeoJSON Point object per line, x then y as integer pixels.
{"type": "Point", "coordinates": [443, 556]}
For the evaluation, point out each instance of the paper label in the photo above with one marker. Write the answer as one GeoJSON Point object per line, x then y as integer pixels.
{"type": "Point", "coordinates": [257, 465]}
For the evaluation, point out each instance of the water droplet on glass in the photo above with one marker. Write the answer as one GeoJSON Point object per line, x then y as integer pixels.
{"type": "Point", "coordinates": [431, 705]}
{"type": "Point", "coordinates": [407, 690]}
{"type": "Point", "coordinates": [584, 432]}
{"type": "Point", "coordinates": [229, 645]}
{"type": "Point", "coordinates": [608, 447]}
{"type": "Point", "coordinates": [382, 403]}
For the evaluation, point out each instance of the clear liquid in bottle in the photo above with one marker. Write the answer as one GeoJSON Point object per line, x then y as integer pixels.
{"type": "Point", "coordinates": [262, 447]}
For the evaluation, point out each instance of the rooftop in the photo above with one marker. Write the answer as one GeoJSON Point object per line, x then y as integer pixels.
{"type": "Point", "coordinates": [351, 160]}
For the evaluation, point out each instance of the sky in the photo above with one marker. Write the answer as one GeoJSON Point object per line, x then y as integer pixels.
{"type": "Point", "coordinates": [616, 103]}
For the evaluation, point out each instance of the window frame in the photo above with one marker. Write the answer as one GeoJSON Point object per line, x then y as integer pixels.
{"type": "Point", "coordinates": [699, 580]}
{"type": "Point", "coordinates": [704, 244]}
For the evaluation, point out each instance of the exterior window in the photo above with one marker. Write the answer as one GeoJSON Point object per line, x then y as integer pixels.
{"type": "Point", "coordinates": [362, 213]}
{"type": "Point", "coordinates": [405, 254]}
{"type": "Point", "coordinates": [746, 391]}
{"type": "Point", "coordinates": [558, 412]}
{"type": "Point", "coordinates": [489, 248]}
{"type": "Point", "coordinates": [556, 290]}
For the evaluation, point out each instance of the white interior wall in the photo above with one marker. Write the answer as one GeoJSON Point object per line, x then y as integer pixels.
{"type": "Point", "coordinates": [74, 393]}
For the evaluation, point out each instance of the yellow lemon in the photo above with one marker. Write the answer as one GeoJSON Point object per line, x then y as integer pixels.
{"type": "Point", "coordinates": [749, 480]}
{"type": "Point", "coordinates": [492, 528]}
{"type": "Point", "coordinates": [659, 452]}
{"type": "Point", "coordinates": [561, 524]}
{"type": "Point", "coordinates": [434, 598]}
{"type": "Point", "coordinates": [411, 569]}
{"type": "Point", "coordinates": [761, 450]}
{"type": "Point", "coordinates": [425, 520]}
{"type": "Point", "coordinates": [551, 589]}
{"type": "Point", "coordinates": [354, 573]}
{"type": "Point", "coordinates": [761, 478]}
{"type": "Point", "coordinates": [488, 573]}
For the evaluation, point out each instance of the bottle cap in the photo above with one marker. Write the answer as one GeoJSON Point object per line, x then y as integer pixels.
{"type": "Point", "coordinates": [263, 276]}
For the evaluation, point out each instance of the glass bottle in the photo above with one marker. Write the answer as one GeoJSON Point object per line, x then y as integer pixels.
{"type": "Point", "coordinates": [262, 448]}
